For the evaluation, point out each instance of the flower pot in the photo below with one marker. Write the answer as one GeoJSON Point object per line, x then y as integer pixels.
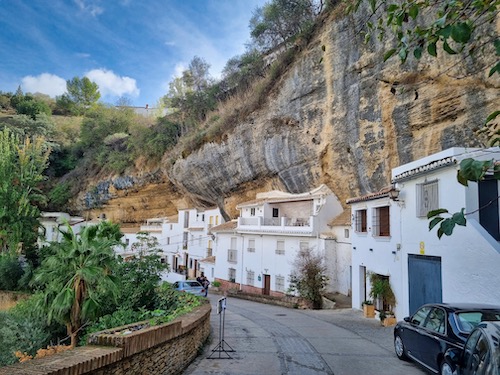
{"type": "Point", "coordinates": [369, 311]}
{"type": "Point", "coordinates": [389, 321]}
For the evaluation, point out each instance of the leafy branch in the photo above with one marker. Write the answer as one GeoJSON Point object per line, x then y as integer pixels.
{"type": "Point", "coordinates": [470, 170]}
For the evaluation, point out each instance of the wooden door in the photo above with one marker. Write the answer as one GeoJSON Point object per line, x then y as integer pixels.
{"type": "Point", "coordinates": [267, 285]}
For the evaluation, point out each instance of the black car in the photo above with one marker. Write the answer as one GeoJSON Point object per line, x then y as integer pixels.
{"type": "Point", "coordinates": [481, 353]}
{"type": "Point", "coordinates": [434, 328]}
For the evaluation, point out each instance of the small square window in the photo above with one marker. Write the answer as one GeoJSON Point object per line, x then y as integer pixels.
{"type": "Point", "coordinates": [276, 212]}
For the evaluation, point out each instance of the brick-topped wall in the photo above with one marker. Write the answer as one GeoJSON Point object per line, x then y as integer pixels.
{"type": "Point", "coordinates": [164, 349]}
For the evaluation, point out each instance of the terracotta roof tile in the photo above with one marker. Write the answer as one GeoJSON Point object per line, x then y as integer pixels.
{"type": "Point", "coordinates": [228, 226]}
{"type": "Point", "coordinates": [384, 192]}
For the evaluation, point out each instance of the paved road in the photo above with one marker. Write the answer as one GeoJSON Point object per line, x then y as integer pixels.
{"type": "Point", "coordinates": [269, 340]}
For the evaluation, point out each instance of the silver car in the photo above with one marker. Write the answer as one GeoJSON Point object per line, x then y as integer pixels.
{"type": "Point", "coordinates": [190, 286]}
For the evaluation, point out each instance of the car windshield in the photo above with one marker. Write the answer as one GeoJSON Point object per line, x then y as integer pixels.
{"type": "Point", "coordinates": [193, 284]}
{"type": "Point", "coordinates": [468, 320]}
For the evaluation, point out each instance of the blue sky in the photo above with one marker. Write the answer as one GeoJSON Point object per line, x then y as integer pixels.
{"type": "Point", "coordinates": [130, 48]}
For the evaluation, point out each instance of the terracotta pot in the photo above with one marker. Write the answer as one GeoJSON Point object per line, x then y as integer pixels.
{"type": "Point", "coordinates": [389, 321]}
{"type": "Point", "coordinates": [369, 311]}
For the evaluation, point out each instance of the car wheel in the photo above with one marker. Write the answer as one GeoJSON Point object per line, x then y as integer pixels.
{"type": "Point", "coordinates": [399, 347]}
{"type": "Point", "coordinates": [446, 369]}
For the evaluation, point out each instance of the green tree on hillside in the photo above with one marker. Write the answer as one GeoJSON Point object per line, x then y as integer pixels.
{"type": "Point", "coordinates": [278, 22]}
{"type": "Point", "coordinates": [82, 94]}
{"type": "Point", "coordinates": [78, 275]}
{"type": "Point", "coordinates": [22, 163]}
{"type": "Point", "coordinates": [241, 71]}
{"type": "Point", "coordinates": [192, 95]}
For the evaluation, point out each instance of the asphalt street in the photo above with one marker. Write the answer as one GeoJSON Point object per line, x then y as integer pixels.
{"type": "Point", "coordinates": [269, 339]}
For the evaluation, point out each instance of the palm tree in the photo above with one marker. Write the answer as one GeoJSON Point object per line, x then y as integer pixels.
{"type": "Point", "coordinates": [78, 273]}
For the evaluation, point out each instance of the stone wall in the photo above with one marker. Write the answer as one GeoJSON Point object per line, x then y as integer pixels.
{"type": "Point", "coordinates": [163, 349]}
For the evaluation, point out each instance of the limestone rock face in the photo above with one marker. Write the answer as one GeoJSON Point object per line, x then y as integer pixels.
{"type": "Point", "coordinates": [338, 116]}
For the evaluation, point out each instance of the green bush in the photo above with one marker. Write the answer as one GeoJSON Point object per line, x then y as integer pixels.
{"type": "Point", "coordinates": [10, 271]}
{"type": "Point", "coordinates": [24, 328]}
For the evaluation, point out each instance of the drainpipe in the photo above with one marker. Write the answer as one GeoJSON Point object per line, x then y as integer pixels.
{"type": "Point", "coordinates": [242, 265]}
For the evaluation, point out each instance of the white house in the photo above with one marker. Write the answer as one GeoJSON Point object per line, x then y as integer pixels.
{"type": "Point", "coordinates": [391, 235]}
{"type": "Point", "coordinates": [256, 253]}
{"type": "Point", "coordinates": [52, 222]}
{"type": "Point", "coordinates": [183, 240]}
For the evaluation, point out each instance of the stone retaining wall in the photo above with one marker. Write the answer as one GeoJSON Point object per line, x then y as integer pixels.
{"type": "Point", "coordinates": [164, 349]}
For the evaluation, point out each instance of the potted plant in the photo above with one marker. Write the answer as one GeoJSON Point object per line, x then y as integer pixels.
{"type": "Point", "coordinates": [381, 292]}
{"type": "Point", "coordinates": [368, 309]}
{"type": "Point", "coordinates": [389, 318]}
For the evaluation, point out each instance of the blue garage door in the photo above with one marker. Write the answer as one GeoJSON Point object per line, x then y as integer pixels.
{"type": "Point", "coordinates": [424, 278]}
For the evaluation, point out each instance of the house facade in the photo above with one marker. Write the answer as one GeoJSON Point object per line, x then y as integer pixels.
{"type": "Point", "coordinates": [256, 252]}
{"type": "Point", "coordinates": [391, 238]}
{"type": "Point", "coordinates": [183, 240]}
{"type": "Point", "coordinates": [52, 222]}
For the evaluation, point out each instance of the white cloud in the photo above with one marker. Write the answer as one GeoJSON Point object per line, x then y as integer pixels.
{"type": "Point", "coordinates": [179, 69]}
{"type": "Point", "coordinates": [111, 84]}
{"type": "Point", "coordinates": [45, 83]}
{"type": "Point", "coordinates": [88, 6]}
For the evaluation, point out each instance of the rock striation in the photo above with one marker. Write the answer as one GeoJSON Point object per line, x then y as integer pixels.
{"type": "Point", "coordinates": [339, 116]}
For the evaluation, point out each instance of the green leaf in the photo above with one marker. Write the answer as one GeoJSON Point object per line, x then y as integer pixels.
{"type": "Point", "coordinates": [441, 21]}
{"type": "Point", "coordinates": [459, 218]}
{"type": "Point", "coordinates": [447, 226]}
{"type": "Point", "coordinates": [431, 48]}
{"type": "Point", "coordinates": [445, 32]}
{"type": "Point", "coordinates": [417, 52]}
{"type": "Point", "coordinates": [461, 179]}
{"type": "Point", "coordinates": [437, 212]}
{"type": "Point", "coordinates": [434, 222]}
{"type": "Point", "coordinates": [373, 4]}
{"type": "Point", "coordinates": [392, 8]}
{"type": "Point", "coordinates": [389, 54]}
{"type": "Point", "coordinates": [495, 69]}
{"type": "Point", "coordinates": [474, 170]}
{"type": "Point", "coordinates": [496, 43]}
{"type": "Point", "coordinates": [448, 49]}
{"type": "Point", "coordinates": [492, 116]}
{"type": "Point", "coordinates": [403, 54]}
{"type": "Point", "coordinates": [461, 32]}
{"type": "Point", "coordinates": [414, 11]}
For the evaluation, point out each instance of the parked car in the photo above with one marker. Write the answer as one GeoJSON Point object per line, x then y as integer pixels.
{"type": "Point", "coordinates": [481, 353]}
{"type": "Point", "coordinates": [190, 286]}
{"type": "Point", "coordinates": [434, 328]}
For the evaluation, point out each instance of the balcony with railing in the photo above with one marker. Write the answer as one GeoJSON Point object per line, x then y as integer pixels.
{"type": "Point", "coordinates": [299, 225]}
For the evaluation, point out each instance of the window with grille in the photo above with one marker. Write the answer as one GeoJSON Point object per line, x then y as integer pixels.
{"type": "Point", "coordinates": [252, 212]}
{"type": "Point", "coordinates": [250, 277]}
{"type": "Point", "coordinates": [381, 226]}
{"type": "Point", "coordinates": [280, 247]}
{"type": "Point", "coordinates": [231, 255]}
{"type": "Point", "coordinates": [251, 246]}
{"type": "Point", "coordinates": [279, 283]}
{"type": "Point", "coordinates": [427, 198]}
{"type": "Point", "coordinates": [360, 224]}
{"type": "Point", "coordinates": [232, 275]}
